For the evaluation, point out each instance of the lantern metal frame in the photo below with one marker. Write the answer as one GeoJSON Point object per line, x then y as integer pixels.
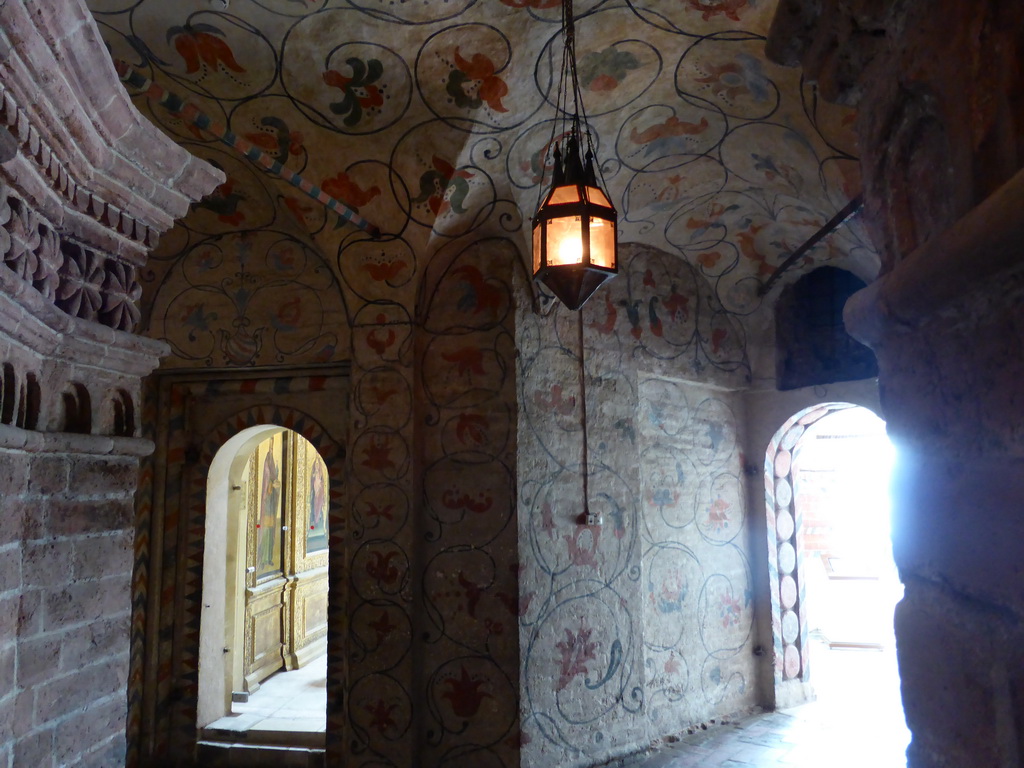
{"type": "Point", "coordinates": [576, 204]}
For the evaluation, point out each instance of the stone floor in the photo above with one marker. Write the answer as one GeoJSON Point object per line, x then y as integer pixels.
{"type": "Point", "coordinates": [856, 722]}
{"type": "Point", "coordinates": [796, 738]}
{"type": "Point", "coordinates": [294, 702]}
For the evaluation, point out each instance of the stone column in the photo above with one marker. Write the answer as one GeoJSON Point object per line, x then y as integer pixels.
{"type": "Point", "coordinates": [940, 95]}
{"type": "Point", "coordinates": [86, 187]}
{"type": "Point", "coordinates": [946, 325]}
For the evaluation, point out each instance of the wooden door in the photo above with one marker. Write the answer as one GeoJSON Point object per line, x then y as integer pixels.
{"type": "Point", "coordinates": [286, 557]}
{"type": "Point", "coordinates": [265, 579]}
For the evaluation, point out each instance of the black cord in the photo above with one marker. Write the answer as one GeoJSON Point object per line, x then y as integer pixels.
{"type": "Point", "coordinates": [585, 469]}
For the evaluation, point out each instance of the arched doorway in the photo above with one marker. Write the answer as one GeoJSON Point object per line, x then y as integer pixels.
{"type": "Point", "coordinates": [788, 573]}
{"type": "Point", "coordinates": [833, 581]}
{"type": "Point", "coordinates": [265, 585]}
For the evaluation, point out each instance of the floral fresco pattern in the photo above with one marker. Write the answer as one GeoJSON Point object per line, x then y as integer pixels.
{"type": "Point", "coordinates": [711, 153]}
{"type": "Point", "coordinates": [641, 622]}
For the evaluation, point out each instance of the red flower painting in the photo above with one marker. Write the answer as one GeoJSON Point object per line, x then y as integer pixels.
{"type": "Point", "coordinates": [224, 202]}
{"type": "Point", "coordinates": [478, 295]}
{"type": "Point", "coordinates": [378, 456]}
{"type": "Point", "coordinates": [380, 568]}
{"type": "Point", "coordinates": [718, 337]}
{"type": "Point", "coordinates": [380, 715]}
{"type": "Point", "coordinates": [471, 428]}
{"type": "Point", "coordinates": [200, 44]}
{"type": "Point", "coordinates": [718, 515]}
{"type": "Point", "coordinates": [576, 651]}
{"type": "Point", "coordinates": [382, 626]}
{"type": "Point", "coordinates": [443, 187]}
{"type": "Point", "coordinates": [344, 189]}
{"type": "Point", "coordinates": [605, 70]}
{"type": "Point", "coordinates": [464, 694]}
{"type": "Point", "coordinates": [467, 360]}
{"type": "Point", "coordinates": [479, 70]}
{"type": "Point", "coordinates": [383, 271]}
{"type": "Point", "coordinates": [385, 511]}
{"type": "Point", "coordinates": [711, 8]}
{"type": "Point", "coordinates": [677, 305]}
{"type": "Point", "coordinates": [673, 127]}
{"type": "Point", "coordinates": [730, 611]}
{"type": "Point", "coordinates": [360, 90]}
{"type": "Point", "coordinates": [380, 339]}
{"type": "Point", "coordinates": [555, 402]}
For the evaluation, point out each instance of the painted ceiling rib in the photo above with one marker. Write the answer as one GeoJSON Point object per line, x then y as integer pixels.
{"type": "Point", "coordinates": [191, 113]}
{"type": "Point", "coordinates": [849, 210]}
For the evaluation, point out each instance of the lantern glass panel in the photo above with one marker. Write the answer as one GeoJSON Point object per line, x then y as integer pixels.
{"type": "Point", "coordinates": [595, 195]}
{"type": "Point", "coordinates": [602, 243]}
{"type": "Point", "coordinates": [565, 241]}
{"type": "Point", "coordinates": [567, 194]}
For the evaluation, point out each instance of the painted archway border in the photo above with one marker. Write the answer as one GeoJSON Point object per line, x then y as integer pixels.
{"type": "Point", "coordinates": [140, 590]}
{"type": "Point", "coordinates": [785, 559]}
{"type": "Point", "coordinates": [333, 456]}
{"type": "Point", "coordinates": [164, 682]}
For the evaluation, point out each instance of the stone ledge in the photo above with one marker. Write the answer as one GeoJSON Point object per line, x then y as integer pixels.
{"type": "Point", "coordinates": [15, 438]}
{"type": "Point", "coordinates": [985, 243]}
{"type": "Point", "coordinates": [28, 319]}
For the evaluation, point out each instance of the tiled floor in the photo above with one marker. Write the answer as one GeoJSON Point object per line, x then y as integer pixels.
{"type": "Point", "coordinates": [293, 702]}
{"type": "Point", "coordinates": [857, 722]}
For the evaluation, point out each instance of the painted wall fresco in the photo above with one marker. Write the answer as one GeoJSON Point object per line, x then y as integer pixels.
{"type": "Point", "coordinates": [698, 599]}
{"type": "Point", "coordinates": [257, 297]}
{"type": "Point", "coordinates": [433, 120]}
{"type": "Point", "coordinates": [433, 647]}
{"type": "Point", "coordinates": [469, 527]}
{"type": "Point", "coordinates": [632, 629]}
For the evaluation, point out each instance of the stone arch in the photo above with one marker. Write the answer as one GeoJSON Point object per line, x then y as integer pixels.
{"type": "Point", "coordinates": [785, 563]}
{"type": "Point", "coordinates": [120, 414]}
{"type": "Point", "coordinates": [77, 409]}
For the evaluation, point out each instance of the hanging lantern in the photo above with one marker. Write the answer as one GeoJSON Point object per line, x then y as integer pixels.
{"type": "Point", "coordinates": [575, 248]}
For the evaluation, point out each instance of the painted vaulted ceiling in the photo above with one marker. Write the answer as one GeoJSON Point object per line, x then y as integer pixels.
{"type": "Point", "coordinates": [433, 119]}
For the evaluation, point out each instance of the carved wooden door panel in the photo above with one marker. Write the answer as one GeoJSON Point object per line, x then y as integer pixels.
{"type": "Point", "coordinates": [286, 558]}
{"type": "Point", "coordinates": [308, 582]}
{"type": "Point", "coordinates": [266, 568]}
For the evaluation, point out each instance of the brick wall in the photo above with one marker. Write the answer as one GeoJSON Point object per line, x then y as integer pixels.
{"type": "Point", "coordinates": [65, 575]}
{"type": "Point", "coordinates": [811, 499]}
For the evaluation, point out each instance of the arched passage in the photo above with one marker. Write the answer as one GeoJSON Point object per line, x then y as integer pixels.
{"type": "Point", "coordinates": [786, 567]}
{"type": "Point", "coordinates": [227, 447]}
{"type": "Point", "coordinates": [200, 416]}
{"type": "Point", "coordinates": [220, 657]}
{"type": "Point", "coordinates": [265, 583]}
{"type": "Point", "coordinates": [833, 581]}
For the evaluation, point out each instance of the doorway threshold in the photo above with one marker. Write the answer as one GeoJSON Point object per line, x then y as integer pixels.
{"type": "Point", "coordinates": [240, 755]}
